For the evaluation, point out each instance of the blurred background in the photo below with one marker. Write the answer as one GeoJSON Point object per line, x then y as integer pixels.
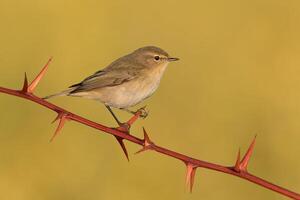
{"type": "Point", "coordinates": [239, 75]}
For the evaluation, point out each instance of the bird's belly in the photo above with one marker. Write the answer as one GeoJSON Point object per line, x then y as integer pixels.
{"type": "Point", "coordinates": [125, 95]}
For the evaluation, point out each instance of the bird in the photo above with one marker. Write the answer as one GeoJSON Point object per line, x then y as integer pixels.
{"type": "Point", "coordinates": [126, 82]}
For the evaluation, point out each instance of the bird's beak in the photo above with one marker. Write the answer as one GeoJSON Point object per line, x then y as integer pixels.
{"type": "Point", "coordinates": [172, 59]}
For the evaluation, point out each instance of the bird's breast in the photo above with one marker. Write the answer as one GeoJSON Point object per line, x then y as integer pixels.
{"type": "Point", "coordinates": [137, 90]}
{"type": "Point", "coordinates": [129, 93]}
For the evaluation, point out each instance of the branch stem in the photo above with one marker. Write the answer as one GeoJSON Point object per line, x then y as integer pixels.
{"type": "Point", "coordinates": [186, 159]}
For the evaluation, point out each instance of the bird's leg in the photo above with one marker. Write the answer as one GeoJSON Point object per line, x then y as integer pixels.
{"type": "Point", "coordinates": [123, 126]}
{"type": "Point", "coordinates": [136, 114]}
{"type": "Point", "coordinates": [141, 112]}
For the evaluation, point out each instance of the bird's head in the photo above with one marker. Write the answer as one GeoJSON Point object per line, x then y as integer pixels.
{"type": "Point", "coordinates": [151, 57]}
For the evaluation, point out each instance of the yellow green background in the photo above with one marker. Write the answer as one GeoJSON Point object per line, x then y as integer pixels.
{"type": "Point", "coordinates": [239, 75]}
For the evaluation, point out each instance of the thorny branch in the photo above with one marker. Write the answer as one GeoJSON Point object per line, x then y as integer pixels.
{"type": "Point", "coordinates": [123, 133]}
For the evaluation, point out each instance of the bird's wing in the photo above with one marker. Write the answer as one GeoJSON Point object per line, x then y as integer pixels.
{"type": "Point", "coordinates": [104, 78]}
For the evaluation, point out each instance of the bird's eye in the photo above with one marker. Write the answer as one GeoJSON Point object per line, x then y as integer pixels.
{"type": "Point", "coordinates": [156, 57]}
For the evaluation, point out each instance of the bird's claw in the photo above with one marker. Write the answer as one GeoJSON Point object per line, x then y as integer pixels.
{"type": "Point", "coordinates": [142, 112]}
{"type": "Point", "coordinates": [124, 127]}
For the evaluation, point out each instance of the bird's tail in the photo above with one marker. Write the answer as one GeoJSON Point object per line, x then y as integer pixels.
{"type": "Point", "coordinates": [63, 93]}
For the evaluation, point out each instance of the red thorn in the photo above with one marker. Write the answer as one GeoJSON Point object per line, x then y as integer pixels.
{"type": "Point", "coordinates": [62, 119]}
{"type": "Point", "coordinates": [135, 116]}
{"type": "Point", "coordinates": [124, 128]}
{"type": "Point", "coordinates": [237, 163]}
{"type": "Point", "coordinates": [133, 119]}
{"type": "Point", "coordinates": [121, 142]}
{"type": "Point", "coordinates": [37, 79]}
{"type": "Point", "coordinates": [148, 144]}
{"type": "Point", "coordinates": [241, 166]}
{"type": "Point", "coordinates": [245, 161]}
{"type": "Point", "coordinates": [143, 149]}
{"type": "Point", "coordinates": [147, 140]}
{"type": "Point", "coordinates": [190, 175]}
{"type": "Point", "coordinates": [56, 118]}
{"type": "Point", "coordinates": [25, 84]}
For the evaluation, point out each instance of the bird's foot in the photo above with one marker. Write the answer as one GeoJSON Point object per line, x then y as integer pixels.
{"type": "Point", "coordinates": [124, 127]}
{"type": "Point", "coordinates": [141, 112]}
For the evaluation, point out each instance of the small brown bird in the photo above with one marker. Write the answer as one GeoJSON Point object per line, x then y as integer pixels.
{"type": "Point", "coordinates": [125, 82]}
